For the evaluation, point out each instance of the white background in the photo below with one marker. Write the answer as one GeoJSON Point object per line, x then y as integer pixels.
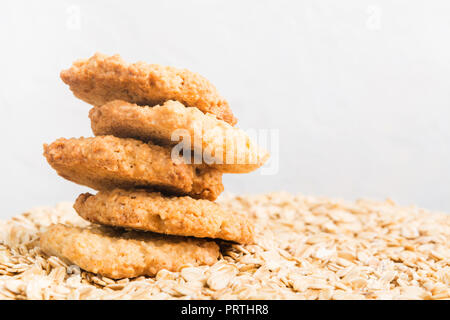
{"type": "Point", "coordinates": [359, 90]}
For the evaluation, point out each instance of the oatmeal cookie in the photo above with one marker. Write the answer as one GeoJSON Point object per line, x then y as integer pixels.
{"type": "Point", "coordinates": [117, 253]}
{"type": "Point", "coordinates": [104, 78]}
{"type": "Point", "coordinates": [150, 211]}
{"type": "Point", "coordinates": [224, 147]}
{"type": "Point", "coordinates": [107, 162]}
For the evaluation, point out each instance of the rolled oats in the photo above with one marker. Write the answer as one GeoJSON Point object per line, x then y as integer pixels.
{"type": "Point", "coordinates": [306, 248]}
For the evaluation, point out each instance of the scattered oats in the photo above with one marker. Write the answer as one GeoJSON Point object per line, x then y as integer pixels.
{"type": "Point", "coordinates": [323, 253]}
{"type": "Point", "coordinates": [220, 275]}
{"type": "Point", "coordinates": [166, 275]}
{"type": "Point", "coordinates": [194, 274]}
{"type": "Point", "coordinates": [388, 277]}
{"type": "Point", "coordinates": [306, 248]}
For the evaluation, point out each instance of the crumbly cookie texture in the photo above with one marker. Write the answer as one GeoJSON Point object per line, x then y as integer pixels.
{"type": "Point", "coordinates": [149, 211]}
{"type": "Point", "coordinates": [125, 254]}
{"type": "Point", "coordinates": [305, 248]}
{"type": "Point", "coordinates": [104, 78]}
{"type": "Point", "coordinates": [224, 147]}
{"type": "Point", "coordinates": [107, 162]}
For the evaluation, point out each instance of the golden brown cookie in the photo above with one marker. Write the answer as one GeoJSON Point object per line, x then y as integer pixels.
{"type": "Point", "coordinates": [107, 162]}
{"type": "Point", "coordinates": [150, 211]}
{"type": "Point", "coordinates": [103, 78]}
{"type": "Point", "coordinates": [117, 253]}
{"type": "Point", "coordinates": [224, 147]}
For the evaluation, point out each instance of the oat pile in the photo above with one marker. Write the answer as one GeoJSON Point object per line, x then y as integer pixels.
{"type": "Point", "coordinates": [306, 248]}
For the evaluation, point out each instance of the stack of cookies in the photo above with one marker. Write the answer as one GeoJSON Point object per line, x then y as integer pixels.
{"type": "Point", "coordinates": [163, 138]}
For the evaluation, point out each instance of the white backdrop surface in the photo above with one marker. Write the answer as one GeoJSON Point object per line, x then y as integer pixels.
{"type": "Point", "coordinates": [359, 90]}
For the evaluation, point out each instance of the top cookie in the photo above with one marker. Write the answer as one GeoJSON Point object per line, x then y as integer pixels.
{"type": "Point", "coordinates": [103, 78]}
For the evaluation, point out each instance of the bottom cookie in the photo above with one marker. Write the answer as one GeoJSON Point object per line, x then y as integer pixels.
{"type": "Point", "coordinates": [125, 254]}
